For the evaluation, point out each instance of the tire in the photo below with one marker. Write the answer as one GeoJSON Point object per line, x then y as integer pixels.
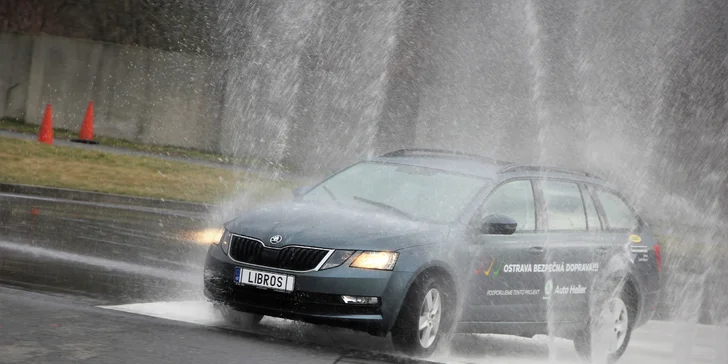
{"type": "Point", "coordinates": [610, 329]}
{"type": "Point", "coordinates": [237, 318]}
{"type": "Point", "coordinates": [421, 302]}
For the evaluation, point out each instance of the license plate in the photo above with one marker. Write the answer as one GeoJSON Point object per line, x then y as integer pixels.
{"type": "Point", "coordinates": [278, 282]}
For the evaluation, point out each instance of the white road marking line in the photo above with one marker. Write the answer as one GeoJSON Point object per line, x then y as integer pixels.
{"type": "Point", "coordinates": [196, 312]}
{"type": "Point", "coordinates": [108, 264]}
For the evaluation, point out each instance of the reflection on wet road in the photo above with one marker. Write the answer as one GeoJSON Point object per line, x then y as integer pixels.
{"type": "Point", "coordinates": [106, 284]}
{"type": "Point", "coordinates": [106, 253]}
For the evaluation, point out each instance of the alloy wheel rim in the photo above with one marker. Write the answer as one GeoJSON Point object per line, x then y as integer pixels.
{"type": "Point", "coordinates": [613, 325]}
{"type": "Point", "coordinates": [429, 320]}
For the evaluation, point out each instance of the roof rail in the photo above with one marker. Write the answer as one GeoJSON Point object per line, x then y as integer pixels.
{"type": "Point", "coordinates": [443, 152]}
{"type": "Point", "coordinates": [540, 168]}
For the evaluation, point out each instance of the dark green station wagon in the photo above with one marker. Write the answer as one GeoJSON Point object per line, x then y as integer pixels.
{"type": "Point", "coordinates": [422, 244]}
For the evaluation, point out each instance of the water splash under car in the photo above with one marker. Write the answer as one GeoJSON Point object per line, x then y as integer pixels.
{"type": "Point", "coordinates": [419, 243]}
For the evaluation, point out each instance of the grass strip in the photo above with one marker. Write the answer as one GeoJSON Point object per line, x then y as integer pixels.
{"type": "Point", "coordinates": [19, 126]}
{"type": "Point", "coordinates": [33, 163]}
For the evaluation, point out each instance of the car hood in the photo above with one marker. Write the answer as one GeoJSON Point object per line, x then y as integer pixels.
{"type": "Point", "coordinates": [335, 227]}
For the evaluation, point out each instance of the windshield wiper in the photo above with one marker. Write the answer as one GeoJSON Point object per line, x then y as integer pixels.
{"type": "Point", "coordinates": [384, 206]}
{"type": "Point", "coordinates": [330, 193]}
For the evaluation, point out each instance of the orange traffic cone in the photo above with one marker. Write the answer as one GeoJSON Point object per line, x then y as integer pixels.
{"type": "Point", "coordinates": [46, 128]}
{"type": "Point", "coordinates": [86, 135]}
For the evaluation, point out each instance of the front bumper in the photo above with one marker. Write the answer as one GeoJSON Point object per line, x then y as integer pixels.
{"type": "Point", "coordinates": [316, 297]}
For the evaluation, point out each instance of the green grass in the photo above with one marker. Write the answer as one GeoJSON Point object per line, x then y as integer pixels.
{"type": "Point", "coordinates": [19, 126]}
{"type": "Point", "coordinates": [33, 163]}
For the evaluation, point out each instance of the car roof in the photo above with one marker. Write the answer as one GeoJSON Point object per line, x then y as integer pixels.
{"type": "Point", "coordinates": [451, 161]}
{"type": "Point", "coordinates": [481, 166]}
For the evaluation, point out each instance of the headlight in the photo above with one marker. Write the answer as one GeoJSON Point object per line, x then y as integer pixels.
{"type": "Point", "coordinates": [208, 236]}
{"type": "Point", "coordinates": [337, 259]}
{"type": "Point", "coordinates": [225, 241]}
{"type": "Point", "coordinates": [376, 260]}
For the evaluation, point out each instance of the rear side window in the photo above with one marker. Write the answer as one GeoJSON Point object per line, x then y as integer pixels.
{"type": "Point", "coordinates": [514, 199]}
{"type": "Point", "coordinates": [619, 215]}
{"type": "Point", "coordinates": [564, 206]}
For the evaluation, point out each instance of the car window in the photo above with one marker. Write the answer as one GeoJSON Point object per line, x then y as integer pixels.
{"type": "Point", "coordinates": [564, 206]}
{"type": "Point", "coordinates": [422, 193]}
{"type": "Point", "coordinates": [592, 216]}
{"type": "Point", "coordinates": [619, 215]}
{"type": "Point", "coordinates": [514, 199]}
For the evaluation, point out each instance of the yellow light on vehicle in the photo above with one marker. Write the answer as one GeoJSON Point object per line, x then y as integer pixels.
{"type": "Point", "coordinates": [635, 238]}
{"type": "Point", "coordinates": [376, 260]}
{"type": "Point", "coordinates": [209, 236]}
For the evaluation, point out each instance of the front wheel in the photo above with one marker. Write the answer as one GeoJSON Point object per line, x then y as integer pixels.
{"type": "Point", "coordinates": [608, 334]}
{"type": "Point", "coordinates": [422, 320]}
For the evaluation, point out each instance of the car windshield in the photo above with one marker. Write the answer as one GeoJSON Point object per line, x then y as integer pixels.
{"type": "Point", "coordinates": [417, 193]}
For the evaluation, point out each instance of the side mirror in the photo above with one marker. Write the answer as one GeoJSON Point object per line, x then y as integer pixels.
{"type": "Point", "coordinates": [299, 191]}
{"type": "Point", "coordinates": [498, 224]}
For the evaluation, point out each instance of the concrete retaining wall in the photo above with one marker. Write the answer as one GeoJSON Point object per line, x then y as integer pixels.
{"type": "Point", "coordinates": [15, 59]}
{"type": "Point", "coordinates": [312, 96]}
{"type": "Point", "coordinates": [139, 94]}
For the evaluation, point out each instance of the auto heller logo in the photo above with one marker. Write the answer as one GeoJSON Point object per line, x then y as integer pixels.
{"type": "Point", "coordinates": [548, 289]}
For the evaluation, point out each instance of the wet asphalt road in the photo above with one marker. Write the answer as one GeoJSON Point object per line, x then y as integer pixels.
{"type": "Point", "coordinates": [63, 264]}
{"type": "Point", "coordinates": [110, 254]}
{"type": "Point", "coordinates": [61, 260]}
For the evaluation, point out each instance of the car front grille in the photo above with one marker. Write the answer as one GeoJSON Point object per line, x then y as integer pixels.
{"type": "Point", "coordinates": [293, 258]}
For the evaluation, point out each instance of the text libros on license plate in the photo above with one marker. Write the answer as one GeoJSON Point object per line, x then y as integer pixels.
{"type": "Point", "coordinates": [251, 277]}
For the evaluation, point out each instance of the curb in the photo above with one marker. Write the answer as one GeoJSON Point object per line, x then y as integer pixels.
{"type": "Point", "coordinates": [106, 198]}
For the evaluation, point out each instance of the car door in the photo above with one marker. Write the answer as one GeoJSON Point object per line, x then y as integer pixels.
{"type": "Point", "coordinates": [571, 258]}
{"type": "Point", "coordinates": [503, 287]}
